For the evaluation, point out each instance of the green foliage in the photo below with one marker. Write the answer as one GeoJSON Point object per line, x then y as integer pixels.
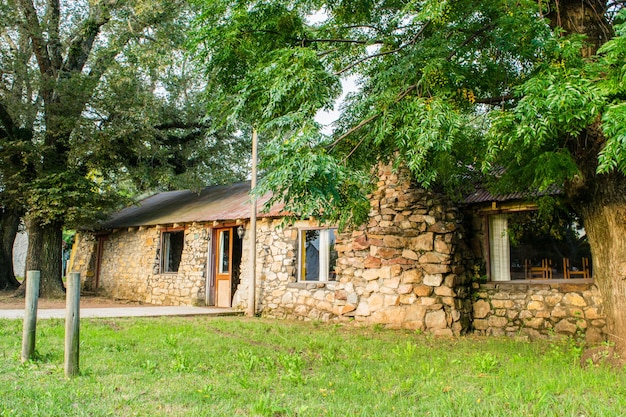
{"type": "Point", "coordinates": [90, 123]}
{"type": "Point", "coordinates": [443, 89]}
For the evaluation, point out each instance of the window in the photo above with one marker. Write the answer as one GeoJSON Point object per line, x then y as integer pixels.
{"type": "Point", "coordinates": [171, 250]}
{"type": "Point", "coordinates": [318, 256]}
{"type": "Point", "coordinates": [523, 246]}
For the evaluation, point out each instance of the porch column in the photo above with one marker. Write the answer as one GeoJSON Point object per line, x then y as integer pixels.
{"type": "Point", "coordinates": [499, 248]}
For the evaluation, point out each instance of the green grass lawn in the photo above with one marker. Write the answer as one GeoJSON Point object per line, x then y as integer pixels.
{"type": "Point", "coordinates": [252, 367]}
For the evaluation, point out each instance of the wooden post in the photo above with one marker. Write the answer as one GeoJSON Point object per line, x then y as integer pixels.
{"type": "Point", "coordinates": [252, 285]}
{"type": "Point", "coordinates": [30, 314]}
{"type": "Point", "coordinates": [72, 324]}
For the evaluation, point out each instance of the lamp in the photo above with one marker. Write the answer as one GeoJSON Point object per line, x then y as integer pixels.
{"type": "Point", "coordinates": [240, 232]}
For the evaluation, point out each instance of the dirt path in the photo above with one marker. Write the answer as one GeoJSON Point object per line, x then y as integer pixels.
{"type": "Point", "coordinates": [8, 302]}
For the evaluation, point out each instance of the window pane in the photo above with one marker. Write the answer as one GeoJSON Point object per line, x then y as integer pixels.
{"type": "Point", "coordinates": [332, 256]}
{"type": "Point", "coordinates": [172, 250]}
{"type": "Point", "coordinates": [224, 252]}
{"type": "Point", "coordinates": [311, 255]}
{"type": "Point", "coordinates": [539, 249]}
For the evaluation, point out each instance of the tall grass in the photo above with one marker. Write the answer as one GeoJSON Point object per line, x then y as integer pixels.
{"type": "Point", "coordinates": [251, 367]}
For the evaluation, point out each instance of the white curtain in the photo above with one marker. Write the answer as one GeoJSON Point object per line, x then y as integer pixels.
{"type": "Point", "coordinates": [499, 247]}
{"type": "Point", "coordinates": [324, 243]}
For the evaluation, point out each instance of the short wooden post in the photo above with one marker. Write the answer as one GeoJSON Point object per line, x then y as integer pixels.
{"type": "Point", "coordinates": [72, 324]}
{"type": "Point", "coordinates": [30, 314]}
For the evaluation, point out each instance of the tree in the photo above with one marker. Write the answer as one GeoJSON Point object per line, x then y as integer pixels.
{"type": "Point", "coordinates": [527, 93]}
{"type": "Point", "coordinates": [94, 99]}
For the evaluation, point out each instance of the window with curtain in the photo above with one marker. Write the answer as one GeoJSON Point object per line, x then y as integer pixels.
{"type": "Point", "coordinates": [317, 255]}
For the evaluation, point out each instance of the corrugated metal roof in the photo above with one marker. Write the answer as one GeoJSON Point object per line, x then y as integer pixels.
{"type": "Point", "coordinates": [216, 203]}
{"type": "Point", "coordinates": [481, 195]}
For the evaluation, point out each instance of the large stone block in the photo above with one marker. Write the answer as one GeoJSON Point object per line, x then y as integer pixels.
{"type": "Point", "coordinates": [574, 299]}
{"type": "Point", "coordinates": [434, 280]}
{"type": "Point", "coordinates": [396, 242]}
{"type": "Point", "coordinates": [436, 320]}
{"type": "Point", "coordinates": [422, 243]}
{"type": "Point", "coordinates": [481, 309]}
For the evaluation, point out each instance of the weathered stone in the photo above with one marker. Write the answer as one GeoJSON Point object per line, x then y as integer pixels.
{"type": "Point", "coordinates": [353, 298]}
{"type": "Point", "coordinates": [423, 290]}
{"type": "Point", "coordinates": [592, 313]}
{"type": "Point", "coordinates": [502, 303]}
{"type": "Point", "coordinates": [436, 268]}
{"type": "Point", "coordinates": [360, 243]}
{"type": "Point", "coordinates": [565, 327]}
{"type": "Point", "coordinates": [481, 324]}
{"type": "Point", "coordinates": [392, 282]}
{"type": "Point", "coordinates": [392, 300]}
{"type": "Point", "coordinates": [410, 254]}
{"type": "Point", "coordinates": [433, 280]}
{"type": "Point", "coordinates": [495, 321]}
{"type": "Point", "coordinates": [436, 320]}
{"type": "Point", "coordinates": [558, 312]}
{"type": "Point", "coordinates": [412, 276]}
{"type": "Point", "coordinates": [444, 291]}
{"type": "Point", "coordinates": [376, 302]}
{"type": "Point", "coordinates": [371, 274]}
{"type": "Point", "coordinates": [362, 309]}
{"type": "Point", "coordinates": [434, 258]}
{"type": "Point", "coordinates": [372, 262]}
{"type": "Point", "coordinates": [574, 299]}
{"type": "Point", "coordinates": [341, 295]}
{"type": "Point", "coordinates": [593, 336]}
{"type": "Point", "coordinates": [481, 309]}
{"type": "Point", "coordinates": [535, 323]}
{"type": "Point", "coordinates": [535, 305]}
{"type": "Point", "coordinates": [405, 288]}
{"type": "Point", "coordinates": [424, 242]}
{"type": "Point", "coordinates": [397, 242]}
{"type": "Point", "coordinates": [347, 309]}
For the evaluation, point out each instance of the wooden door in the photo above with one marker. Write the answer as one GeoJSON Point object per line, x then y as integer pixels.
{"type": "Point", "coordinates": [223, 267]}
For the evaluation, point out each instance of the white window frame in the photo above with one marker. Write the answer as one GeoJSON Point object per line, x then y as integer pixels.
{"type": "Point", "coordinates": [324, 253]}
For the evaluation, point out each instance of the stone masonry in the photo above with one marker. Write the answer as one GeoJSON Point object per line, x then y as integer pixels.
{"type": "Point", "coordinates": [130, 267]}
{"type": "Point", "coordinates": [539, 310]}
{"type": "Point", "coordinates": [404, 269]}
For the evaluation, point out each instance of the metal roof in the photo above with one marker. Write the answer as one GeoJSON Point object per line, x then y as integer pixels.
{"type": "Point", "coordinates": [215, 203]}
{"type": "Point", "coordinates": [481, 195]}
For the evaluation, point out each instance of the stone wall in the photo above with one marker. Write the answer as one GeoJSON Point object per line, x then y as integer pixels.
{"type": "Point", "coordinates": [404, 269]}
{"type": "Point", "coordinates": [129, 266]}
{"type": "Point", "coordinates": [20, 248]}
{"type": "Point", "coordinates": [83, 259]}
{"type": "Point", "coordinates": [539, 310]}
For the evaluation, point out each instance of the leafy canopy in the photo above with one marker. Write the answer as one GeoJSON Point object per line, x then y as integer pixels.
{"type": "Point", "coordinates": [447, 89]}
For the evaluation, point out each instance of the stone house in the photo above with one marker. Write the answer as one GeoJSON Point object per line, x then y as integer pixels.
{"type": "Point", "coordinates": [421, 262]}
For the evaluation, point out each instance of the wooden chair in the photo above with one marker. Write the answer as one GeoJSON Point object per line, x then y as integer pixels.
{"type": "Point", "coordinates": [582, 273]}
{"type": "Point", "coordinates": [538, 272]}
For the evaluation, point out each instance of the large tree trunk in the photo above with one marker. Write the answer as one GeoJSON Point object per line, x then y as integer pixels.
{"type": "Point", "coordinates": [600, 200]}
{"type": "Point", "coordinates": [45, 255]}
{"type": "Point", "coordinates": [9, 222]}
{"type": "Point", "coordinates": [604, 217]}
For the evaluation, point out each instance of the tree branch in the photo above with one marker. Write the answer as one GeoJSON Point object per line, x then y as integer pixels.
{"type": "Point", "coordinates": [84, 37]}
{"type": "Point", "coordinates": [398, 49]}
{"type": "Point", "coordinates": [371, 118]}
{"type": "Point", "coordinates": [470, 39]}
{"type": "Point", "coordinates": [40, 47]}
{"type": "Point", "coordinates": [7, 121]}
{"type": "Point", "coordinates": [54, 16]}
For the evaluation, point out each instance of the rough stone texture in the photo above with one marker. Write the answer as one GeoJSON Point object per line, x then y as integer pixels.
{"type": "Point", "coordinates": [129, 267]}
{"type": "Point", "coordinates": [405, 269]}
{"type": "Point", "coordinates": [83, 259]}
{"type": "Point", "coordinates": [20, 247]}
{"type": "Point", "coordinates": [539, 310]}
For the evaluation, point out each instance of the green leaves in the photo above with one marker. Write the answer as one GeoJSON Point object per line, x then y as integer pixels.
{"type": "Point", "coordinates": [443, 88]}
{"type": "Point", "coordinates": [311, 182]}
